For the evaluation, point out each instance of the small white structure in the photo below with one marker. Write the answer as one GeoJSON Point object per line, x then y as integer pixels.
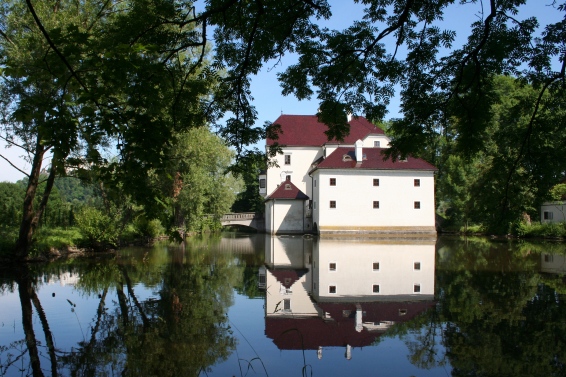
{"type": "Point", "coordinates": [553, 212]}
{"type": "Point", "coordinates": [344, 187]}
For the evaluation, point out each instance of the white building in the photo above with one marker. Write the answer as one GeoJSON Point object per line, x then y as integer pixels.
{"type": "Point", "coordinates": [347, 187]}
{"type": "Point", "coordinates": [553, 212]}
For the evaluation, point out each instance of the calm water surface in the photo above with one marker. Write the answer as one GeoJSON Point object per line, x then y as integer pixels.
{"type": "Point", "coordinates": [255, 305]}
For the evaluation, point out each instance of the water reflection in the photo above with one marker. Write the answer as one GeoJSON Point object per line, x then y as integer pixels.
{"type": "Point", "coordinates": [156, 312]}
{"type": "Point", "coordinates": [331, 293]}
{"type": "Point", "coordinates": [460, 307]}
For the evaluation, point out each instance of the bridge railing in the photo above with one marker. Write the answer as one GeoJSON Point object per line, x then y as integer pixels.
{"type": "Point", "coordinates": [242, 216]}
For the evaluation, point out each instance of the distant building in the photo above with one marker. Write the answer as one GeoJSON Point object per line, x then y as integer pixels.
{"type": "Point", "coordinates": [329, 187]}
{"type": "Point", "coordinates": [553, 212]}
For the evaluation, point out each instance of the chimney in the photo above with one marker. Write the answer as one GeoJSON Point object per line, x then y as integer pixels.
{"type": "Point", "coordinates": [349, 115]}
{"type": "Point", "coordinates": [359, 154]}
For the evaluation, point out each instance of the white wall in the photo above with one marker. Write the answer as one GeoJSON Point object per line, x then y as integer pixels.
{"type": "Point", "coordinates": [289, 253]}
{"type": "Point", "coordinates": [557, 209]}
{"type": "Point", "coordinates": [285, 216]}
{"type": "Point", "coordinates": [368, 141]}
{"type": "Point", "coordinates": [301, 161]}
{"type": "Point", "coordinates": [354, 276]}
{"type": "Point", "coordinates": [354, 194]}
{"type": "Point", "coordinates": [301, 303]}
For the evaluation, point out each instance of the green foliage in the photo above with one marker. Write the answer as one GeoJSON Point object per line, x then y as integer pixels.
{"type": "Point", "coordinates": [197, 181]}
{"type": "Point", "coordinates": [148, 229]}
{"type": "Point", "coordinates": [83, 78]}
{"type": "Point", "coordinates": [507, 177]}
{"type": "Point", "coordinates": [74, 190]}
{"type": "Point", "coordinates": [248, 168]}
{"type": "Point", "coordinates": [98, 230]}
{"type": "Point", "coordinates": [544, 230]}
{"type": "Point", "coordinates": [11, 197]}
{"type": "Point", "coordinates": [59, 239]}
{"type": "Point", "coordinates": [558, 192]}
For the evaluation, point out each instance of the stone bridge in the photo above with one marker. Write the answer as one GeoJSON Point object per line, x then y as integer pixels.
{"type": "Point", "coordinates": [251, 219]}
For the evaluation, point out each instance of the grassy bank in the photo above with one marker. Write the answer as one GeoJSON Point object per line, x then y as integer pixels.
{"type": "Point", "coordinates": [45, 240]}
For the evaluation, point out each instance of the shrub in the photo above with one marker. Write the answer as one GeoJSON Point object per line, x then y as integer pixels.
{"type": "Point", "coordinates": [540, 230]}
{"type": "Point", "coordinates": [97, 229]}
{"type": "Point", "coordinates": [148, 228]}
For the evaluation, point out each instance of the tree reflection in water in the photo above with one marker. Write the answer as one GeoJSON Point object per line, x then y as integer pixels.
{"type": "Point", "coordinates": [497, 314]}
{"type": "Point", "coordinates": [182, 331]}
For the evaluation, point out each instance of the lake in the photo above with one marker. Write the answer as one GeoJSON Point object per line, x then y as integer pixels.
{"type": "Point", "coordinates": [257, 305]}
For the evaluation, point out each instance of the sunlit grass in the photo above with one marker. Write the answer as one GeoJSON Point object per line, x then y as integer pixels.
{"type": "Point", "coordinates": [47, 239]}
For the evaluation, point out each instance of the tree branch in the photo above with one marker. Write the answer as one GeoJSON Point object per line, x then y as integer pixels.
{"type": "Point", "coordinates": [52, 45]}
{"type": "Point", "coordinates": [14, 166]}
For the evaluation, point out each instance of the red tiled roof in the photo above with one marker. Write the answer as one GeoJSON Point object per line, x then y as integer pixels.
{"type": "Point", "coordinates": [374, 160]}
{"type": "Point", "coordinates": [287, 190]}
{"type": "Point", "coordinates": [306, 130]}
{"type": "Point", "coordinates": [314, 332]}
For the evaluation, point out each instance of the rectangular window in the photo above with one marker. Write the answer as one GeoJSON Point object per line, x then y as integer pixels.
{"type": "Point", "coordinates": [287, 305]}
{"type": "Point", "coordinates": [332, 266]}
{"type": "Point", "coordinates": [376, 288]}
{"type": "Point", "coordinates": [287, 159]}
{"type": "Point", "coordinates": [376, 266]}
{"type": "Point", "coordinates": [417, 183]}
{"type": "Point", "coordinates": [262, 183]}
{"type": "Point", "coordinates": [332, 289]}
{"type": "Point", "coordinates": [417, 288]}
{"type": "Point", "coordinates": [417, 265]}
{"type": "Point", "coordinates": [417, 205]}
{"type": "Point", "coordinates": [315, 183]}
{"type": "Point", "coordinates": [377, 144]}
{"type": "Point", "coordinates": [376, 181]}
{"type": "Point", "coordinates": [548, 258]}
{"type": "Point", "coordinates": [332, 181]}
{"type": "Point", "coordinates": [333, 204]}
{"type": "Point", "coordinates": [313, 205]}
{"type": "Point", "coordinates": [287, 177]}
{"type": "Point", "coordinates": [548, 215]}
{"type": "Point", "coordinates": [376, 204]}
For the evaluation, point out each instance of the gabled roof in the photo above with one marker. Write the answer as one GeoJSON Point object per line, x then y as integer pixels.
{"type": "Point", "coordinates": [306, 130]}
{"type": "Point", "coordinates": [287, 190]}
{"type": "Point", "coordinates": [288, 277]}
{"type": "Point", "coordinates": [345, 158]}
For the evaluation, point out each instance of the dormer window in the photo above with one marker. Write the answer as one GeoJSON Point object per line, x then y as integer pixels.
{"type": "Point", "coordinates": [402, 159]}
{"type": "Point", "coordinates": [346, 157]}
{"type": "Point", "coordinates": [287, 186]}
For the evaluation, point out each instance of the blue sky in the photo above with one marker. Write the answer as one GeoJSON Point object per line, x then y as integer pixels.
{"type": "Point", "coordinates": [269, 101]}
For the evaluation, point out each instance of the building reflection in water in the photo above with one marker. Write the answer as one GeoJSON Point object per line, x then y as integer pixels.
{"type": "Point", "coordinates": [342, 293]}
{"type": "Point", "coordinates": [553, 263]}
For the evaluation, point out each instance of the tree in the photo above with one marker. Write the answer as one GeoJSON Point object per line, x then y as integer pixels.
{"type": "Point", "coordinates": [69, 90]}
{"type": "Point", "coordinates": [506, 178]}
{"type": "Point", "coordinates": [248, 168]}
{"type": "Point", "coordinates": [197, 178]}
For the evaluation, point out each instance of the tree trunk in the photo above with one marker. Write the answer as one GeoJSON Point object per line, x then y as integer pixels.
{"type": "Point", "coordinates": [26, 226]}
{"type": "Point", "coordinates": [30, 218]}
{"type": "Point", "coordinates": [25, 289]}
